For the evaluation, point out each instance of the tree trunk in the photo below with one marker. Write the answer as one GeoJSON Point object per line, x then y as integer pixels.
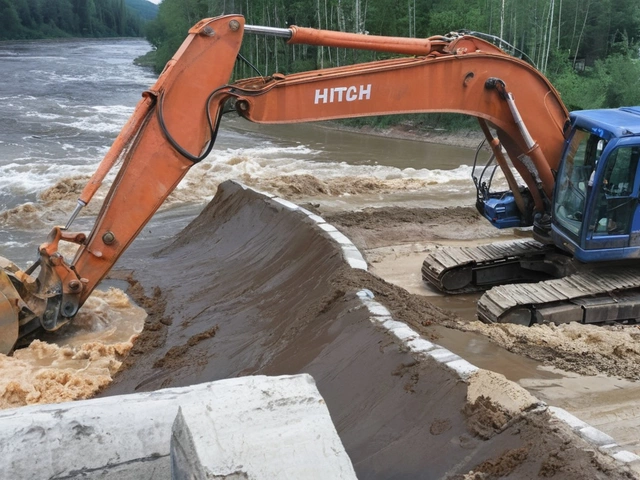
{"type": "Point", "coordinates": [586, 15]}
{"type": "Point", "coordinates": [549, 35]}
{"type": "Point", "coordinates": [559, 24]}
{"type": "Point", "coordinates": [320, 57]}
{"type": "Point", "coordinates": [275, 39]}
{"type": "Point", "coordinates": [342, 26]}
{"type": "Point", "coordinates": [501, 23]}
{"type": "Point", "coordinates": [575, 27]}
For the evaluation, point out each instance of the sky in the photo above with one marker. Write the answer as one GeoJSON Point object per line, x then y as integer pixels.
{"type": "Point", "coordinates": [155, 1]}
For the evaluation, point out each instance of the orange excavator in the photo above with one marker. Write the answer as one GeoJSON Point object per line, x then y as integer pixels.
{"type": "Point", "coordinates": [546, 155]}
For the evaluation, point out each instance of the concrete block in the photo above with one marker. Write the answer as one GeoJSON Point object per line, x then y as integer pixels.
{"type": "Point", "coordinates": [404, 334]}
{"type": "Point", "coordinates": [462, 368]}
{"type": "Point", "coordinates": [420, 345]}
{"type": "Point", "coordinates": [380, 319]}
{"type": "Point", "coordinates": [596, 436]}
{"type": "Point", "coordinates": [340, 238]}
{"type": "Point", "coordinates": [123, 437]}
{"type": "Point", "coordinates": [353, 256]}
{"type": "Point", "coordinates": [394, 324]}
{"type": "Point", "coordinates": [571, 420]}
{"type": "Point", "coordinates": [327, 227]}
{"type": "Point", "coordinates": [311, 215]}
{"type": "Point", "coordinates": [443, 355]}
{"type": "Point", "coordinates": [626, 456]}
{"type": "Point", "coordinates": [316, 218]}
{"type": "Point", "coordinates": [357, 264]}
{"type": "Point", "coordinates": [244, 187]}
{"type": "Point", "coordinates": [365, 293]}
{"type": "Point", "coordinates": [268, 428]}
{"type": "Point", "coordinates": [285, 203]}
{"type": "Point", "coordinates": [377, 309]}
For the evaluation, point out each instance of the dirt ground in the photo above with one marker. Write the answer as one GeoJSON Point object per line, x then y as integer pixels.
{"type": "Point", "coordinates": [585, 349]}
{"type": "Point", "coordinates": [589, 370]}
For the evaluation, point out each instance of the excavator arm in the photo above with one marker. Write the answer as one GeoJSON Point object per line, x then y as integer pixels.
{"type": "Point", "coordinates": [451, 80]}
{"type": "Point", "coordinates": [175, 124]}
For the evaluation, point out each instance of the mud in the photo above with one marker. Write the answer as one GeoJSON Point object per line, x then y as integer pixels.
{"type": "Point", "coordinates": [376, 227]}
{"type": "Point", "coordinates": [251, 287]}
{"type": "Point", "coordinates": [26, 215]}
{"type": "Point", "coordinates": [200, 184]}
{"type": "Point", "coordinates": [301, 186]}
{"type": "Point", "coordinates": [585, 349]}
{"type": "Point", "coordinates": [65, 189]}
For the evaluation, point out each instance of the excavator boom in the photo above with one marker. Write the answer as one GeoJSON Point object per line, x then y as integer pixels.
{"type": "Point", "coordinates": [174, 126]}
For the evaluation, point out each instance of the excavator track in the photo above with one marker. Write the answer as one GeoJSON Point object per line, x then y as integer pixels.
{"type": "Point", "coordinates": [473, 269]}
{"type": "Point", "coordinates": [590, 294]}
{"type": "Point", "coordinates": [599, 295]}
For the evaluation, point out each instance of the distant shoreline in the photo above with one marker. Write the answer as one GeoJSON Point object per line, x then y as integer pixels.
{"type": "Point", "coordinates": [460, 138]}
{"type": "Point", "coordinates": [69, 39]}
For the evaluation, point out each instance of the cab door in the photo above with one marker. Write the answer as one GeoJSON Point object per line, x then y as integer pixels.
{"type": "Point", "coordinates": [615, 201]}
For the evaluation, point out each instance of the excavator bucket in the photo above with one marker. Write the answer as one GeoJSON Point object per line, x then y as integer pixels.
{"type": "Point", "coordinates": [9, 320]}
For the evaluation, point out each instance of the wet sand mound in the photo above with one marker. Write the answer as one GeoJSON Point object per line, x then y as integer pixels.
{"type": "Point", "coordinates": [254, 285]}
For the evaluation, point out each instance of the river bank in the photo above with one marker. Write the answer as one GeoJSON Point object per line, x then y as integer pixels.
{"type": "Point", "coordinates": [464, 138]}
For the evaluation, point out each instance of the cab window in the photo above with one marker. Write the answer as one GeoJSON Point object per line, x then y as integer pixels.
{"type": "Point", "coordinates": [615, 204]}
{"type": "Point", "coordinates": [576, 178]}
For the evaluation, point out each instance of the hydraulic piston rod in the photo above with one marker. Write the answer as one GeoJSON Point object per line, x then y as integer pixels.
{"type": "Point", "coordinates": [272, 31]}
{"type": "Point", "coordinates": [330, 38]}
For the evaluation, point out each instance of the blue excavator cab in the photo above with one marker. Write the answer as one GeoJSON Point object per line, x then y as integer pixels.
{"type": "Point", "coordinates": [596, 208]}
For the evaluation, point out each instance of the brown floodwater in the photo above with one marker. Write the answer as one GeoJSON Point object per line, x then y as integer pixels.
{"type": "Point", "coordinates": [77, 361]}
{"type": "Point", "coordinates": [341, 145]}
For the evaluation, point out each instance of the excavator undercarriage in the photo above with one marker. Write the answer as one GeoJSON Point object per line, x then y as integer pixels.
{"type": "Point", "coordinates": [526, 282]}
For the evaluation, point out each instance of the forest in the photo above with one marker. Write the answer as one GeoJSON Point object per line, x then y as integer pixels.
{"type": "Point", "coordinates": [27, 19]}
{"type": "Point", "coordinates": [589, 49]}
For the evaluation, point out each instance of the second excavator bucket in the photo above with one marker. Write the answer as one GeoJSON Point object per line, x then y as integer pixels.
{"type": "Point", "coordinates": [9, 308]}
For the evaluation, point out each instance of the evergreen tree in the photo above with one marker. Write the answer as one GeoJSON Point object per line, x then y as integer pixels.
{"type": "Point", "coordinates": [49, 18]}
{"type": "Point", "coordinates": [10, 26]}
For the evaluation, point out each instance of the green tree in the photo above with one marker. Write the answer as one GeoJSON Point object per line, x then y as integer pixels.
{"type": "Point", "coordinates": [10, 26]}
{"type": "Point", "coordinates": [49, 18]}
{"type": "Point", "coordinates": [619, 76]}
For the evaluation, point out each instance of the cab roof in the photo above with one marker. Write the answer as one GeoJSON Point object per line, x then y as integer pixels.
{"type": "Point", "coordinates": [611, 122]}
